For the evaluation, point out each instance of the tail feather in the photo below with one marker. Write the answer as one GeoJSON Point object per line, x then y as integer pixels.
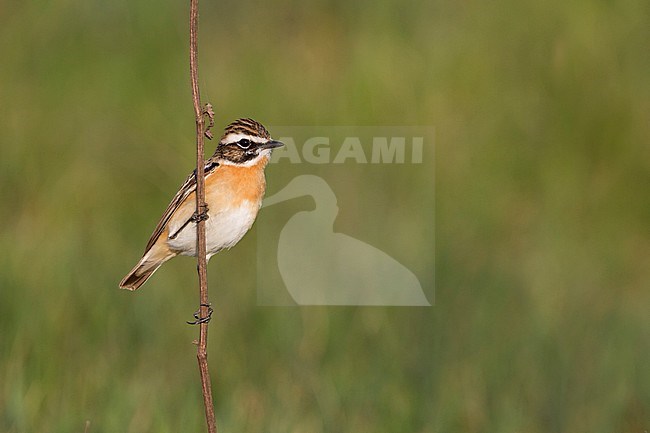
{"type": "Point", "coordinates": [142, 271]}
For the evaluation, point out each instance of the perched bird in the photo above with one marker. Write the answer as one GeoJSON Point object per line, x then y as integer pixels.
{"type": "Point", "coordinates": [234, 188]}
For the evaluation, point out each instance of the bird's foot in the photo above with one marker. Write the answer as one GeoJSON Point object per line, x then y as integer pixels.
{"type": "Point", "coordinates": [200, 216]}
{"type": "Point", "coordinates": [197, 315]}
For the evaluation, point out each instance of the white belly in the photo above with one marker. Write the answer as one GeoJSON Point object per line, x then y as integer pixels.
{"type": "Point", "coordinates": [222, 230]}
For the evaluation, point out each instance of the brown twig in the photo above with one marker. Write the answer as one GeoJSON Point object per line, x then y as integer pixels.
{"type": "Point", "coordinates": [201, 210]}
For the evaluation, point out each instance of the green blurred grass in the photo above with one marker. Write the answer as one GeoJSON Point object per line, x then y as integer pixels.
{"type": "Point", "coordinates": [542, 241]}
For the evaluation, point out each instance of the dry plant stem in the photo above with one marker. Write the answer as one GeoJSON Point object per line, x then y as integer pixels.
{"type": "Point", "coordinates": [202, 352]}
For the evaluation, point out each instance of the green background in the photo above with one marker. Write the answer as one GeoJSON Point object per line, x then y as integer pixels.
{"type": "Point", "coordinates": [542, 249]}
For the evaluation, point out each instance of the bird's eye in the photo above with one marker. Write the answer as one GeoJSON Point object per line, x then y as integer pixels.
{"type": "Point", "coordinates": [244, 143]}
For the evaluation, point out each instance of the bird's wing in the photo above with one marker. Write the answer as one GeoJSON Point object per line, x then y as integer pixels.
{"type": "Point", "coordinates": [188, 188]}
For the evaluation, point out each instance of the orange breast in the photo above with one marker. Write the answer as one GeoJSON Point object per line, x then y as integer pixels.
{"type": "Point", "coordinates": [230, 185]}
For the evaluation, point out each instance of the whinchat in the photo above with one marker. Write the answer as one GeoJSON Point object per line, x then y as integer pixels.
{"type": "Point", "coordinates": [234, 189]}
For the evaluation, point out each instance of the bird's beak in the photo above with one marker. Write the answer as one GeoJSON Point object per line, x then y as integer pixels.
{"type": "Point", "coordinates": [272, 144]}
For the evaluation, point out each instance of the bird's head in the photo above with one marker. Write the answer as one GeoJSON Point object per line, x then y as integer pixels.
{"type": "Point", "coordinates": [245, 142]}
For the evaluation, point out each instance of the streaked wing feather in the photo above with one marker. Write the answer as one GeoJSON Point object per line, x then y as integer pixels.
{"type": "Point", "coordinates": [188, 187]}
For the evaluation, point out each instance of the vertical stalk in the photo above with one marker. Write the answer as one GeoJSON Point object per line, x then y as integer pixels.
{"type": "Point", "coordinates": [202, 352]}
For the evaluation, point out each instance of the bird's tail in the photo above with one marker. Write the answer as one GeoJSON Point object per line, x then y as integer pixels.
{"type": "Point", "coordinates": [144, 269]}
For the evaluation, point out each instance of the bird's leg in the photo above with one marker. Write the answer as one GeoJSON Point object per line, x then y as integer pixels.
{"type": "Point", "coordinates": [200, 216]}
{"type": "Point", "coordinates": [197, 315]}
{"type": "Point", "coordinates": [195, 218]}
